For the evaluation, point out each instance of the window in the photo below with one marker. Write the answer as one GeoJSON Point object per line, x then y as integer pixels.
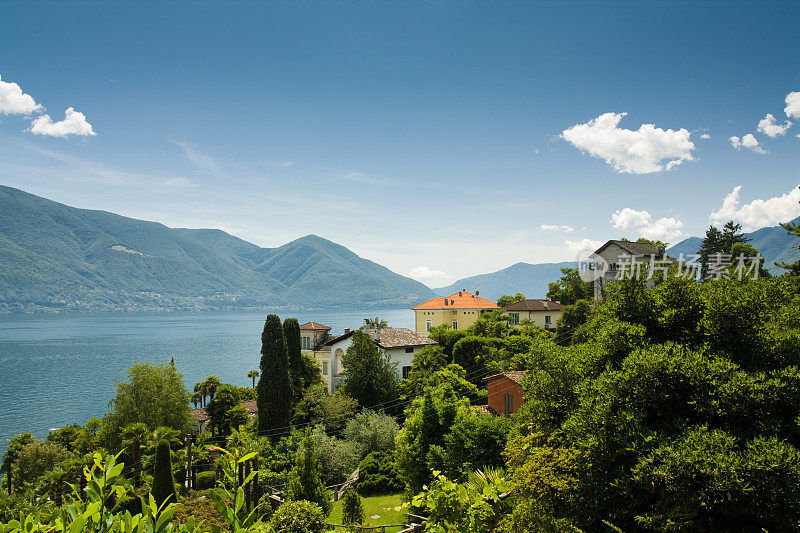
{"type": "Point", "coordinates": [325, 368]}
{"type": "Point", "coordinates": [509, 404]}
{"type": "Point", "coordinates": [546, 319]}
{"type": "Point", "coordinates": [406, 372]}
{"type": "Point", "coordinates": [454, 313]}
{"type": "Point", "coordinates": [427, 325]}
{"type": "Point", "coordinates": [455, 324]}
{"type": "Point", "coordinates": [515, 318]}
{"type": "Point", "coordinates": [410, 350]}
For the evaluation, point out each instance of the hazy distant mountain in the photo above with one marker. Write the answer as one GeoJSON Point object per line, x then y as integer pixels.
{"type": "Point", "coordinates": [774, 243]}
{"type": "Point", "coordinates": [531, 280]}
{"type": "Point", "coordinates": [56, 257]}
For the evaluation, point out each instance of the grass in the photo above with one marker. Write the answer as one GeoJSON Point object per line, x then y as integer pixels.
{"type": "Point", "coordinates": [390, 509]}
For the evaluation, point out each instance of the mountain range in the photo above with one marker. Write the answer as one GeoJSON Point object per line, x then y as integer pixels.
{"type": "Point", "coordinates": [774, 243]}
{"type": "Point", "coordinates": [54, 257]}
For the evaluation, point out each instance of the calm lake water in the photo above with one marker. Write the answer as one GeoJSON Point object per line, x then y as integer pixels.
{"type": "Point", "coordinates": [59, 370]}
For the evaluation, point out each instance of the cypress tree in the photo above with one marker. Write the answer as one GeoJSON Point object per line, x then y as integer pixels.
{"type": "Point", "coordinates": [352, 510]}
{"type": "Point", "coordinates": [291, 329]}
{"type": "Point", "coordinates": [163, 482]}
{"type": "Point", "coordinates": [274, 390]}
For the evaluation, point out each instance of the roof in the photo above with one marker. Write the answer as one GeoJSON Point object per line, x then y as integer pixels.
{"type": "Point", "coordinates": [534, 305]}
{"type": "Point", "coordinates": [315, 326]}
{"type": "Point", "coordinates": [515, 375]}
{"type": "Point", "coordinates": [458, 300]}
{"type": "Point", "coordinates": [484, 410]}
{"type": "Point", "coordinates": [633, 248]}
{"type": "Point", "coordinates": [390, 338]}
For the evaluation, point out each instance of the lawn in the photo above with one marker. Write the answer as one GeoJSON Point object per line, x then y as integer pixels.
{"type": "Point", "coordinates": [382, 506]}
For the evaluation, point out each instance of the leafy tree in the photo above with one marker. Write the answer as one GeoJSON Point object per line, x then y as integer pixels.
{"type": "Point", "coordinates": [572, 317]}
{"type": "Point", "coordinates": [371, 374]}
{"type": "Point", "coordinates": [377, 474]}
{"type": "Point", "coordinates": [569, 288]}
{"type": "Point", "coordinates": [794, 229]}
{"type": "Point", "coordinates": [446, 338]}
{"type": "Point", "coordinates": [163, 483]}
{"type": "Point", "coordinates": [253, 374]}
{"type": "Point", "coordinates": [274, 389]}
{"type": "Point", "coordinates": [294, 346]}
{"type": "Point", "coordinates": [319, 407]}
{"type": "Point", "coordinates": [475, 441]}
{"type": "Point", "coordinates": [336, 458]}
{"type": "Point", "coordinates": [371, 431]}
{"type": "Point", "coordinates": [219, 409]}
{"type": "Point", "coordinates": [711, 245]}
{"type": "Point", "coordinates": [508, 300]}
{"type": "Point", "coordinates": [352, 510]}
{"type": "Point", "coordinates": [298, 517]}
{"type": "Point", "coordinates": [304, 482]}
{"type": "Point", "coordinates": [732, 234]}
{"type": "Point", "coordinates": [154, 395]}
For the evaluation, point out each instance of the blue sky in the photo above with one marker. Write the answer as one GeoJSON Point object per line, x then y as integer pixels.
{"type": "Point", "coordinates": [436, 138]}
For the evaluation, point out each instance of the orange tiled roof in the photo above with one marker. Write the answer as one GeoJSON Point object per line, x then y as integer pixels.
{"type": "Point", "coordinates": [458, 300]}
{"type": "Point", "coordinates": [315, 326]}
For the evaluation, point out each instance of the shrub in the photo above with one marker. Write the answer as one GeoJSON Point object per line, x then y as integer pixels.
{"type": "Point", "coordinates": [205, 480]}
{"type": "Point", "coordinates": [352, 510]}
{"type": "Point", "coordinates": [200, 508]}
{"type": "Point", "coordinates": [163, 482]}
{"type": "Point", "coordinates": [298, 517]}
{"type": "Point", "coordinates": [377, 475]}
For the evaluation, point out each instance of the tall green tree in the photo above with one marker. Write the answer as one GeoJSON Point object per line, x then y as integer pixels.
{"type": "Point", "coordinates": [163, 482]}
{"type": "Point", "coordinates": [508, 300]}
{"type": "Point", "coordinates": [305, 481]}
{"type": "Point", "coordinates": [371, 374]}
{"type": "Point", "coordinates": [352, 510]}
{"type": "Point", "coordinates": [291, 329]}
{"type": "Point", "coordinates": [154, 395]}
{"type": "Point", "coordinates": [274, 389]}
{"type": "Point", "coordinates": [569, 288]}
{"type": "Point", "coordinates": [711, 245]}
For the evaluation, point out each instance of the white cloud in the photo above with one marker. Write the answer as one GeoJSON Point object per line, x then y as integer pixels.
{"type": "Point", "coordinates": [582, 248]}
{"type": "Point", "coordinates": [564, 228]}
{"type": "Point", "coordinates": [749, 141]}
{"type": "Point", "coordinates": [634, 152]}
{"type": "Point", "coordinates": [14, 102]}
{"type": "Point", "coordinates": [758, 213]}
{"type": "Point", "coordinates": [74, 123]}
{"type": "Point", "coordinates": [771, 128]}
{"type": "Point", "coordinates": [179, 182]}
{"type": "Point", "coordinates": [663, 229]}
{"type": "Point", "coordinates": [792, 108]}
{"type": "Point", "coordinates": [283, 164]}
{"type": "Point", "coordinates": [425, 274]}
{"type": "Point", "coordinates": [705, 136]}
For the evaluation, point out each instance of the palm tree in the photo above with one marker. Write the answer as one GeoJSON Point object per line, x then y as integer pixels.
{"type": "Point", "coordinates": [253, 374]}
{"type": "Point", "coordinates": [201, 390]}
{"type": "Point", "coordinates": [212, 383]}
{"type": "Point", "coordinates": [133, 436]}
{"type": "Point", "coordinates": [375, 323]}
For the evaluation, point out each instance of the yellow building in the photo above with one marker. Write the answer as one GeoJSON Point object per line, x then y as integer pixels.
{"type": "Point", "coordinates": [458, 311]}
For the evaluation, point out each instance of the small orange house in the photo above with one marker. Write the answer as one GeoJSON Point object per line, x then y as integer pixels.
{"type": "Point", "coordinates": [505, 392]}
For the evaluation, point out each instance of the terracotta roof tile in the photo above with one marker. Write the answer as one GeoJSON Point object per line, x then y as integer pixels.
{"type": "Point", "coordinates": [458, 300]}
{"type": "Point", "coordinates": [315, 326]}
{"type": "Point", "coordinates": [516, 376]}
{"type": "Point", "coordinates": [201, 415]}
{"type": "Point", "coordinates": [400, 338]}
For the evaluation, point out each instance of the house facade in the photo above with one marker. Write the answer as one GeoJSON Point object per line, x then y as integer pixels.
{"type": "Point", "coordinates": [400, 344]}
{"type": "Point", "coordinates": [543, 313]}
{"type": "Point", "coordinates": [505, 392]}
{"type": "Point", "coordinates": [615, 257]}
{"type": "Point", "coordinates": [458, 311]}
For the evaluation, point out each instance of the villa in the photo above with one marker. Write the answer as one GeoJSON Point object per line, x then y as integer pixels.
{"type": "Point", "coordinates": [458, 311]}
{"type": "Point", "coordinates": [400, 344]}
{"type": "Point", "coordinates": [505, 393]}
{"type": "Point", "coordinates": [543, 313]}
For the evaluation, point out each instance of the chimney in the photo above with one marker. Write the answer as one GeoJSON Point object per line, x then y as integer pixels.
{"type": "Point", "coordinates": [377, 334]}
{"type": "Point", "coordinates": [346, 331]}
{"type": "Point", "coordinates": [477, 292]}
{"type": "Point", "coordinates": [459, 294]}
{"type": "Point", "coordinates": [445, 301]}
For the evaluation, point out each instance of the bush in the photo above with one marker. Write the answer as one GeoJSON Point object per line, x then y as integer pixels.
{"type": "Point", "coordinates": [205, 480]}
{"type": "Point", "coordinates": [200, 508]}
{"type": "Point", "coordinates": [377, 475]}
{"type": "Point", "coordinates": [352, 510]}
{"type": "Point", "coordinates": [298, 517]}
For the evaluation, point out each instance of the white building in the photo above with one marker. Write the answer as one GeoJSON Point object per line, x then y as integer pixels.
{"type": "Point", "coordinates": [400, 344]}
{"type": "Point", "coordinates": [615, 257]}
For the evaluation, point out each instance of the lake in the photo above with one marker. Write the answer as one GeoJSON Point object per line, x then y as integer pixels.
{"type": "Point", "coordinates": [59, 370]}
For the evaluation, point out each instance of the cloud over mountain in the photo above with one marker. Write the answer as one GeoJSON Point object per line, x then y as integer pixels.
{"type": "Point", "coordinates": [758, 213]}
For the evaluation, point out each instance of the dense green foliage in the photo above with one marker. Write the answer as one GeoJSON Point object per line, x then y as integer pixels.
{"type": "Point", "coordinates": [569, 288]}
{"type": "Point", "coordinates": [274, 389]}
{"type": "Point", "coordinates": [507, 299]}
{"type": "Point", "coordinates": [291, 330]}
{"type": "Point", "coordinates": [298, 517]}
{"type": "Point", "coordinates": [304, 481]}
{"type": "Point", "coordinates": [377, 474]}
{"type": "Point", "coordinates": [371, 374]}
